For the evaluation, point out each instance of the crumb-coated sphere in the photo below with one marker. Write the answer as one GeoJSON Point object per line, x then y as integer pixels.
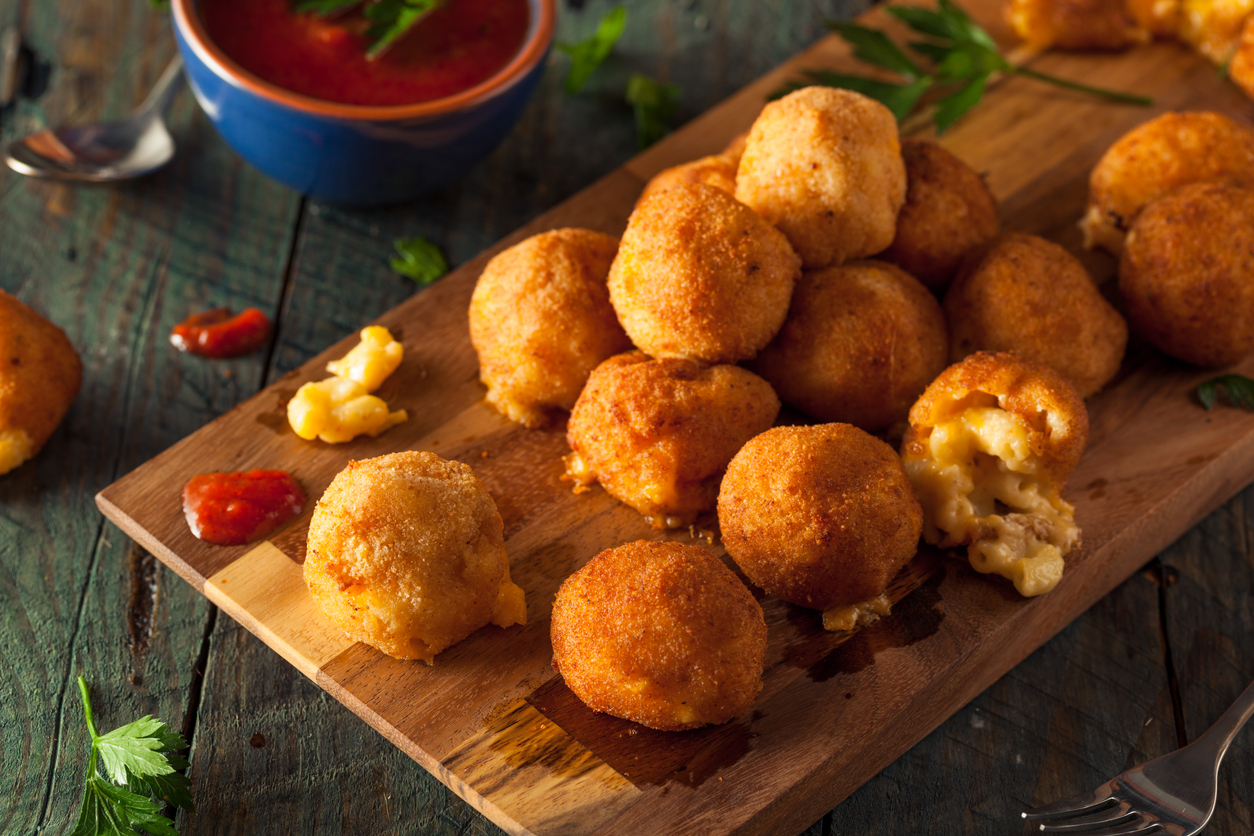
{"type": "Point", "coordinates": [1160, 18]}
{"type": "Point", "coordinates": [1241, 65]}
{"type": "Point", "coordinates": [700, 275]}
{"type": "Point", "coordinates": [1030, 296]}
{"type": "Point", "coordinates": [1038, 399]}
{"type": "Point", "coordinates": [40, 374]}
{"type": "Point", "coordinates": [718, 170]}
{"type": "Point", "coordinates": [1154, 158]}
{"type": "Point", "coordinates": [1075, 24]}
{"type": "Point", "coordinates": [861, 342]}
{"type": "Point", "coordinates": [948, 212]}
{"type": "Point", "coordinates": [541, 320]}
{"type": "Point", "coordinates": [820, 516]}
{"type": "Point", "coordinates": [662, 634]}
{"type": "Point", "coordinates": [824, 165]}
{"type": "Point", "coordinates": [1187, 274]}
{"type": "Point", "coordinates": [658, 434]}
{"type": "Point", "coordinates": [406, 554]}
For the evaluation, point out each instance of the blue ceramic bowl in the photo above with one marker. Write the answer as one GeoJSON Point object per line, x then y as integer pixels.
{"type": "Point", "coordinates": [353, 154]}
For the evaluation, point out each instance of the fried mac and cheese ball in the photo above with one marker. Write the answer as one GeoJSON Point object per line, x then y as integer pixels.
{"type": "Point", "coordinates": [718, 170]}
{"type": "Point", "coordinates": [406, 554]}
{"type": "Point", "coordinates": [1186, 276]}
{"type": "Point", "coordinates": [1154, 158]}
{"type": "Point", "coordinates": [948, 212]}
{"type": "Point", "coordinates": [700, 275]}
{"type": "Point", "coordinates": [821, 516]}
{"type": "Point", "coordinates": [40, 374]}
{"type": "Point", "coordinates": [1075, 24]}
{"type": "Point", "coordinates": [541, 320]}
{"type": "Point", "coordinates": [1028, 295]}
{"type": "Point", "coordinates": [824, 165]}
{"type": "Point", "coordinates": [861, 343]}
{"type": "Point", "coordinates": [658, 434]}
{"type": "Point", "coordinates": [662, 634]}
{"type": "Point", "coordinates": [990, 446]}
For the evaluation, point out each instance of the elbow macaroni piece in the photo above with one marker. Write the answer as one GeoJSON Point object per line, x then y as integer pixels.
{"type": "Point", "coordinates": [341, 408]}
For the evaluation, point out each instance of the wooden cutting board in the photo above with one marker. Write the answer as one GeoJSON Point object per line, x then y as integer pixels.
{"type": "Point", "coordinates": [493, 721]}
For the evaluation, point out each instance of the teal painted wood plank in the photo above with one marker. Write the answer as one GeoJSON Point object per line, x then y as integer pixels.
{"type": "Point", "coordinates": [117, 268]}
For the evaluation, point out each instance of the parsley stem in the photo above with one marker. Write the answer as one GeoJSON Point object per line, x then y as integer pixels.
{"type": "Point", "coordinates": [1109, 95]}
{"type": "Point", "coordinates": [91, 722]}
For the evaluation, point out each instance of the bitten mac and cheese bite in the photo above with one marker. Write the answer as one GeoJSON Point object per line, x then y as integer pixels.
{"type": "Point", "coordinates": [990, 445]}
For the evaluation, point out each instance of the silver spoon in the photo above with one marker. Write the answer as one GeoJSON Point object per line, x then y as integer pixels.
{"type": "Point", "coordinates": [118, 150]}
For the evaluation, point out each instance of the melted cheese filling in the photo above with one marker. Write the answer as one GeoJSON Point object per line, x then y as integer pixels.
{"type": "Point", "coordinates": [852, 615]}
{"type": "Point", "coordinates": [981, 487]}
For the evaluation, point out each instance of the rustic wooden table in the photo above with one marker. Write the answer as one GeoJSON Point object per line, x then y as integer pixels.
{"type": "Point", "coordinates": [1147, 668]}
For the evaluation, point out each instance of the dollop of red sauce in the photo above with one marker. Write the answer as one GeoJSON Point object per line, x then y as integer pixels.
{"type": "Point", "coordinates": [458, 45]}
{"type": "Point", "coordinates": [230, 509]}
{"type": "Point", "coordinates": [219, 335]}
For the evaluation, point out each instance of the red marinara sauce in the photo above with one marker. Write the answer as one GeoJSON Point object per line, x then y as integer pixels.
{"type": "Point", "coordinates": [219, 335]}
{"type": "Point", "coordinates": [458, 45]}
{"type": "Point", "coordinates": [230, 509]}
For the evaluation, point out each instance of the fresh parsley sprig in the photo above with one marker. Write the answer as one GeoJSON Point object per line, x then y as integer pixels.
{"type": "Point", "coordinates": [654, 105]}
{"type": "Point", "coordinates": [590, 53]}
{"type": "Point", "coordinates": [962, 57]}
{"type": "Point", "coordinates": [419, 259]}
{"type": "Point", "coordinates": [1238, 388]}
{"type": "Point", "coordinates": [389, 19]}
{"type": "Point", "coordinates": [142, 772]}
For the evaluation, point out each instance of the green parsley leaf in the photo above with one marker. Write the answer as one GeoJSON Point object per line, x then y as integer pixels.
{"type": "Point", "coordinates": [392, 18]}
{"type": "Point", "coordinates": [950, 108]}
{"type": "Point", "coordinates": [1238, 388]}
{"type": "Point", "coordinates": [109, 810]}
{"type": "Point", "coordinates": [963, 55]}
{"type": "Point", "coordinates": [587, 55]}
{"type": "Point", "coordinates": [874, 47]}
{"type": "Point", "coordinates": [654, 105]}
{"type": "Point", "coordinates": [140, 763]}
{"type": "Point", "coordinates": [325, 7]}
{"type": "Point", "coordinates": [420, 260]}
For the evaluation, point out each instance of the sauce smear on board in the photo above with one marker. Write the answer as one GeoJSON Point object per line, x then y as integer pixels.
{"type": "Point", "coordinates": [230, 509]}
{"type": "Point", "coordinates": [458, 45]}
{"type": "Point", "coordinates": [219, 335]}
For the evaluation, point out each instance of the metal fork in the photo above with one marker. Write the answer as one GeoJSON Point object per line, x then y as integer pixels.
{"type": "Point", "coordinates": [1174, 794]}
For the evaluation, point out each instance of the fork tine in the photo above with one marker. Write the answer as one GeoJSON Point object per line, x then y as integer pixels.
{"type": "Point", "coordinates": [1108, 818]}
{"type": "Point", "coordinates": [1077, 805]}
{"type": "Point", "coordinates": [1122, 830]}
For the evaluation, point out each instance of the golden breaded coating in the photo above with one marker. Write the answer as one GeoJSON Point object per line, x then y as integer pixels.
{"type": "Point", "coordinates": [541, 321]}
{"type": "Point", "coordinates": [821, 516]}
{"type": "Point", "coordinates": [662, 634]}
{"type": "Point", "coordinates": [1187, 273]}
{"type": "Point", "coordinates": [657, 434]}
{"type": "Point", "coordinates": [1156, 157]}
{"type": "Point", "coordinates": [1160, 18]}
{"type": "Point", "coordinates": [39, 378]}
{"type": "Point", "coordinates": [718, 171]}
{"type": "Point", "coordinates": [700, 275]}
{"type": "Point", "coordinates": [948, 212]}
{"type": "Point", "coordinates": [1241, 67]}
{"type": "Point", "coordinates": [1030, 296]}
{"type": "Point", "coordinates": [861, 342]}
{"type": "Point", "coordinates": [1075, 24]}
{"type": "Point", "coordinates": [990, 446]}
{"type": "Point", "coordinates": [824, 165]}
{"type": "Point", "coordinates": [1213, 27]}
{"type": "Point", "coordinates": [406, 554]}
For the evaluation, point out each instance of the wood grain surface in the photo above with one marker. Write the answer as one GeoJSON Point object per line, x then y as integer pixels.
{"type": "Point", "coordinates": [271, 753]}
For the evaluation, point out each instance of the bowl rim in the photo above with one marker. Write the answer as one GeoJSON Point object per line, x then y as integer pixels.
{"type": "Point", "coordinates": [535, 46]}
